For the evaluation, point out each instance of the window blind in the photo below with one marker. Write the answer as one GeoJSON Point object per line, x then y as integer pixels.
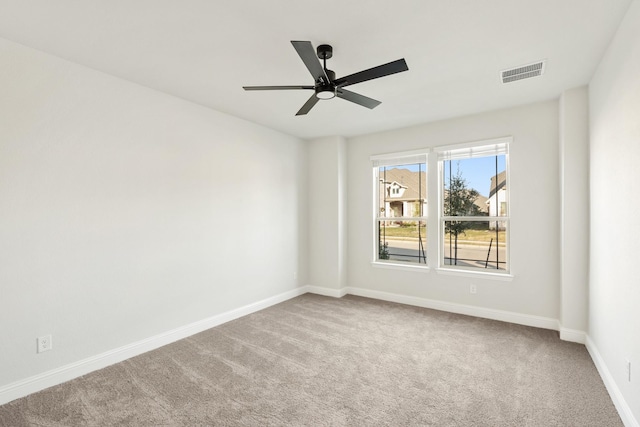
{"type": "Point", "coordinates": [380, 161]}
{"type": "Point", "coordinates": [471, 152]}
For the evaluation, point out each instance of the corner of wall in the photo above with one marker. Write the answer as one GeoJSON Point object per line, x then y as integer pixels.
{"type": "Point", "coordinates": [574, 210]}
{"type": "Point", "coordinates": [327, 192]}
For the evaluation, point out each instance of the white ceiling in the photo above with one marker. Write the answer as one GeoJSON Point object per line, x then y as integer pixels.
{"type": "Point", "coordinates": [206, 50]}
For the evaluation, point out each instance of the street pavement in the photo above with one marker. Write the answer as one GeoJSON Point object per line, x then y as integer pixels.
{"type": "Point", "coordinates": [469, 255]}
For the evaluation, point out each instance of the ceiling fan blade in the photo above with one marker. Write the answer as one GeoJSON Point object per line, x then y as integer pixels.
{"type": "Point", "coordinates": [275, 87]}
{"type": "Point", "coordinates": [309, 57]}
{"type": "Point", "coordinates": [357, 98]}
{"type": "Point", "coordinates": [373, 73]}
{"type": "Point", "coordinates": [308, 105]}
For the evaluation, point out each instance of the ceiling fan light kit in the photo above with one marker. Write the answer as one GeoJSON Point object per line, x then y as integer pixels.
{"type": "Point", "coordinates": [326, 86]}
{"type": "Point", "coordinates": [325, 93]}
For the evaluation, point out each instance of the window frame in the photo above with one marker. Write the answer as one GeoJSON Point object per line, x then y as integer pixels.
{"type": "Point", "coordinates": [398, 159]}
{"type": "Point", "coordinates": [475, 150]}
{"type": "Point", "coordinates": [433, 215]}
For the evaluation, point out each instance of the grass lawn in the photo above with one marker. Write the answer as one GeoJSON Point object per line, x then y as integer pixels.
{"type": "Point", "coordinates": [480, 235]}
{"type": "Point", "coordinates": [469, 235]}
{"type": "Point", "coordinates": [403, 231]}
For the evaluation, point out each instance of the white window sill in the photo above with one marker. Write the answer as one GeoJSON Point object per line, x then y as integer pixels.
{"type": "Point", "coordinates": [422, 268]}
{"type": "Point", "coordinates": [478, 274]}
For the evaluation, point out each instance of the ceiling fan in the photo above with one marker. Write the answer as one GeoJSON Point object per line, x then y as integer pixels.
{"type": "Point", "coordinates": [326, 86]}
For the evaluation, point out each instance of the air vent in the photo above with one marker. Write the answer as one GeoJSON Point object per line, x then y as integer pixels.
{"type": "Point", "coordinates": [523, 72]}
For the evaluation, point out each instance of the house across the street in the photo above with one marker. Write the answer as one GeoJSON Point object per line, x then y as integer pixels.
{"type": "Point", "coordinates": [497, 202]}
{"type": "Point", "coordinates": [403, 193]}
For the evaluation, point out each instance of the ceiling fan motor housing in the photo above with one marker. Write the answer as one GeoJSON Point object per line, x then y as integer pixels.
{"type": "Point", "coordinates": [330, 74]}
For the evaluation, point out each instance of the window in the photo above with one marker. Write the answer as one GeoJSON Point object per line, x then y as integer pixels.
{"type": "Point", "coordinates": [400, 193]}
{"type": "Point", "coordinates": [468, 229]}
{"type": "Point", "coordinates": [474, 207]}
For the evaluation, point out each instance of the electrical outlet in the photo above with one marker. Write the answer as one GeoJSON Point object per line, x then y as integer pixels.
{"type": "Point", "coordinates": [628, 370]}
{"type": "Point", "coordinates": [473, 289]}
{"type": "Point", "coordinates": [295, 275]}
{"type": "Point", "coordinates": [45, 343]}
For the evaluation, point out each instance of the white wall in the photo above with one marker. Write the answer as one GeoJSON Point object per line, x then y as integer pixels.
{"type": "Point", "coordinates": [535, 212]}
{"type": "Point", "coordinates": [614, 294]}
{"type": "Point", "coordinates": [328, 213]}
{"type": "Point", "coordinates": [119, 212]}
{"type": "Point", "coordinates": [574, 190]}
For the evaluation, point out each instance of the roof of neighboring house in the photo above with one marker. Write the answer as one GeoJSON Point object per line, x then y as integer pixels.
{"type": "Point", "coordinates": [481, 202]}
{"type": "Point", "coordinates": [502, 181]}
{"type": "Point", "coordinates": [415, 183]}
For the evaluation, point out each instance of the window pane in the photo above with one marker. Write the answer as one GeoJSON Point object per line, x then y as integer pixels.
{"type": "Point", "coordinates": [476, 245]}
{"type": "Point", "coordinates": [470, 187]}
{"type": "Point", "coordinates": [404, 241]}
{"type": "Point", "coordinates": [402, 191]}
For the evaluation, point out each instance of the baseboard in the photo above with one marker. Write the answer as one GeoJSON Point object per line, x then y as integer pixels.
{"type": "Point", "coordinates": [469, 310]}
{"type": "Point", "coordinates": [573, 335]}
{"type": "Point", "coordinates": [616, 395]}
{"type": "Point", "coordinates": [566, 334]}
{"type": "Point", "coordinates": [327, 292]}
{"type": "Point", "coordinates": [65, 373]}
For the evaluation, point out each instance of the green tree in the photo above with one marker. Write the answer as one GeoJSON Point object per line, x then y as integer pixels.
{"type": "Point", "coordinates": [383, 250]}
{"type": "Point", "coordinates": [459, 201]}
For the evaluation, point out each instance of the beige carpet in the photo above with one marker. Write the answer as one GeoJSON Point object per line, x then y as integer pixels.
{"type": "Point", "coordinates": [317, 361]}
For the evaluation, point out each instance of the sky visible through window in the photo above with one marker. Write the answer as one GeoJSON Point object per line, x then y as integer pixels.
{"type": "Point", "coordinates": [476, 171]}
